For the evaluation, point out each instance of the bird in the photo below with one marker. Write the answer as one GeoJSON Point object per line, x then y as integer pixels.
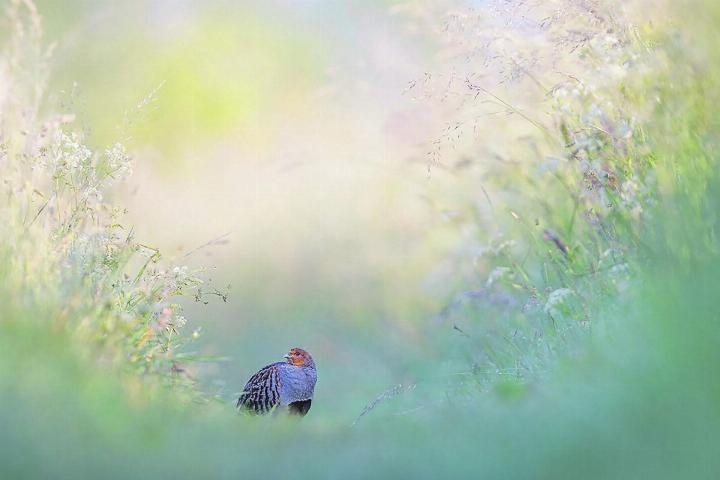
{"type": "Point", "coordinates": [282, 386]}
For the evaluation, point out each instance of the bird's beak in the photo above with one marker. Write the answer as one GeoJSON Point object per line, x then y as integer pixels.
{"type": "Point", "coordinates": [286, 356]}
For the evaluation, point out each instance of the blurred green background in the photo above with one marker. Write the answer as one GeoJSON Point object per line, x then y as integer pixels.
{"type": "Point", "coordinates": [493, 224]}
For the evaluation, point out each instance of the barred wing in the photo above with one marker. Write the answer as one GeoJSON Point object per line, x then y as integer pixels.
{"type": "Point", "coordinates": [262, 392]}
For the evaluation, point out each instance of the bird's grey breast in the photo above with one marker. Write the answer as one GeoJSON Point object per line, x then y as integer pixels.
{"type": "Point", "coordinates": [298, 383]}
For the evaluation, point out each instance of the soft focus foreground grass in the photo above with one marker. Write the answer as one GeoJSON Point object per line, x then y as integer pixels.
{"type": "Point", "coordinates": [642, 403]}
{"type": "Point", "coordinates": [636, 399]}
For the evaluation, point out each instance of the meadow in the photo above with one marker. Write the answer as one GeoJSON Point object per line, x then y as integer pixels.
{"type": "Point", "coordinates": [495, 227]}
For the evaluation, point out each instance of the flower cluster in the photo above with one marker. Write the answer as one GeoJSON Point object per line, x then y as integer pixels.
{"type": "Point", "coordinates": [118, 162]}
{"type": "Point", "coordinates": [115, 294]}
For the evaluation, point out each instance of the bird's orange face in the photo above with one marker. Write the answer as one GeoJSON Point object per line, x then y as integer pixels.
{"type": "Point", "coordinates": [297, 357]}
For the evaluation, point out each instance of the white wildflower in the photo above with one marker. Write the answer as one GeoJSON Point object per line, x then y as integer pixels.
{"type": "Point", "coordinates": [118, 161]}
{"type": "Point", "coordinates": [73, 153]}
{"type": "Point", "coordinates": [555, 299]}
{"type": "Point", "coordinates": [629, 189]}
{"type": "Point", "coordinates": [503, 247]}
{"type": "Point", "coordinates": [611, 40]}
{"type": "Point", "coordinates": [497, 274]}
{"type": "Point", "coordinates": [180, 272]}
{"type": "Point", "coordinates": [93, 194]}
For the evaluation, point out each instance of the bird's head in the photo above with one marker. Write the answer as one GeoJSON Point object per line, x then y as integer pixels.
{"type": "Point", "coordinates": [299, 358]}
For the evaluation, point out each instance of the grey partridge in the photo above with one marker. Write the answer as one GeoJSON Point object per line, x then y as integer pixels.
{"type": "Point", "coordinates": [282, 386]}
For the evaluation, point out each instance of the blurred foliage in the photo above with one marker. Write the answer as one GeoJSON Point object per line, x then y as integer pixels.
{"type": "Point", "coordinates": [223, 71]}
{"type": "Point", "coordinates": [580, 342]}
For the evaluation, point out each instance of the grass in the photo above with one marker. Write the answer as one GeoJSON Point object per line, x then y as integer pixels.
{"type": "Point", "coordinates": [581, 343]}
